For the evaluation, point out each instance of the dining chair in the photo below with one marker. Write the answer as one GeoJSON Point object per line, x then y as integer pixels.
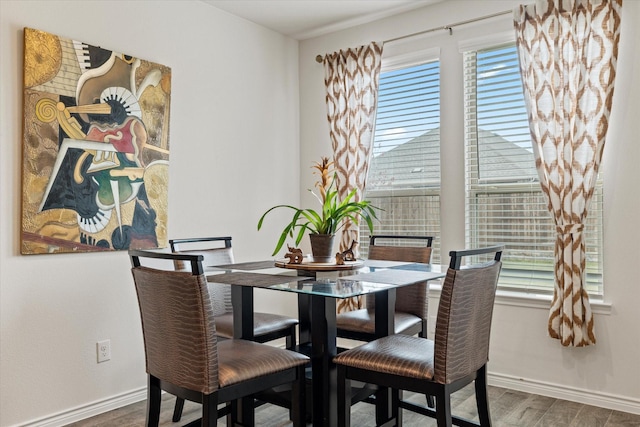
{"type": "Point", "coordinates": [456, 357]}
{"type": "Point", "coordinates": [183, 354]}
{"type": "Point", "coordinates": [267, 326]}
{"type": "Point", "coordinates": [412, 302]}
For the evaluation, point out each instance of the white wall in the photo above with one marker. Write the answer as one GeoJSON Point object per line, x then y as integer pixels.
{"type": "Point", "coordinates": [234, 153]}
{"type": "Point", "coordinates": [235, 150]}
{"type": "Point", "coordinates": [522, 355]}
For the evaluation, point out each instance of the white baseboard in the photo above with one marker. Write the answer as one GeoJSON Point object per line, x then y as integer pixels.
{"type": "Point", "coordinates": [557, 391]}
{"type": "Point", "coordinates": [89, 410]}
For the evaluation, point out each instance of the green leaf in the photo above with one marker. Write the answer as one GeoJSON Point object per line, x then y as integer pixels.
{"type": "Point", "coordinates": [328, 220]}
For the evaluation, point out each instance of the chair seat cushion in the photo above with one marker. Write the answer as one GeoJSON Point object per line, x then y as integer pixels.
{"type": "Point", "coordinates": [402, 355]}
{"type": "Point", "coordinates": [364, 320]}
{"type": "Point", "coordinates": [241, 360]}
{"type": "Point", "coordinates": [263, 323]}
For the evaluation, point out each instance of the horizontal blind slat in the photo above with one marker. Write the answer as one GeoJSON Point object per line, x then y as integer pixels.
{"type": "Point", "coordinates": [499, 207]}
{"type": "Point", "coordinates": [404, 173]}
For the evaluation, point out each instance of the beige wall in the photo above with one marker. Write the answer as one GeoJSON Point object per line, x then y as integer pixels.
{"type": "Point", "coordinates": [235, 148]}
{"type": "Point", "coordinates": [522, 356]}
{"type": "Point", "coordinates": [234, 153]}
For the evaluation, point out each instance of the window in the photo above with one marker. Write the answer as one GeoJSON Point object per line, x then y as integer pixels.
{"type": "Point", "coordinates": [504, 202]}
{"type": "Point", "coordinates": [404, 174]}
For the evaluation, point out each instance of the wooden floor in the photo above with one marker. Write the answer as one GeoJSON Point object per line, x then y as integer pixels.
{"type": "Point", "coordinates": [508, 408]}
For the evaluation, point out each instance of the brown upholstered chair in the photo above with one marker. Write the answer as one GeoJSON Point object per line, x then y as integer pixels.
{"type": "Point", "coordinates": [267, 326]}
{"type": "Point", "coordinates": [456, 357]}
{"type": "Point", "coordinates": [183, 354]}
{"type": "Point", "coordinates": [411, 301]}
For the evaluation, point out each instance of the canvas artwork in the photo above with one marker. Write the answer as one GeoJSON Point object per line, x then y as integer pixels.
{"type": "Point", "coordinates": [95, 148]}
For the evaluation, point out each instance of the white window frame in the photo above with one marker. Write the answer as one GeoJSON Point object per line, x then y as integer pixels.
{"type": "Point", "coordinates": [392, 62]}
{"type": "Point", "coordinates": [515, 295]}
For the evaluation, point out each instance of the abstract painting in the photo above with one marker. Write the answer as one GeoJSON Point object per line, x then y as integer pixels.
{"type": "Point", "coordinates": [95, 148]}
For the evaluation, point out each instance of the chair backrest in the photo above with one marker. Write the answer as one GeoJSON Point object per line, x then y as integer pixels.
{"type": "Point", "coordinates": [420, 253]}
{"type": "Point", "coordinates": [214, 251]}
{"type": "Point", "coordinates": [177, 320]}
{"type": "Point", "coordinates": [409, 299]}
{"type": "Point", "coordinates": [464, 318]}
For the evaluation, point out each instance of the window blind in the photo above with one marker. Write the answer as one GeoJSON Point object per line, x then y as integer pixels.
{"type": "Point", "coordinates": [504, 201]}
{"type": "Point", "coordinates": [404, 173]}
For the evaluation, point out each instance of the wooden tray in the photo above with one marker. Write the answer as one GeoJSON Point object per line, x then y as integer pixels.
{"type": "Point", "coordinates": [307, 265]}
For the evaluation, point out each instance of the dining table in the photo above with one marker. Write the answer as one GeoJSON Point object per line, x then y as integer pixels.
{"type": "Point", "coordinates": [317, 293]}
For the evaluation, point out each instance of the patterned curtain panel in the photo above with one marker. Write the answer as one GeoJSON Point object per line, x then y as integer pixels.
{"type": "Point", "coordinates": [351, 80]}
{"type": "Point", "coordinates": [568, 52]}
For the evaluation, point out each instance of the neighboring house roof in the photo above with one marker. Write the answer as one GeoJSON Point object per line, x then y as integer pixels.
{"type": "Point", "coordinates": [412, 165]}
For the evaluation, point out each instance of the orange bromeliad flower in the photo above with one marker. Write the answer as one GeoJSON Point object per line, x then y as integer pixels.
{"type": "Point", "coordinates": [324, 170]}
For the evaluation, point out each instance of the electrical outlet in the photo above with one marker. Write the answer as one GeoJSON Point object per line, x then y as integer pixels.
{"type": "Point", "coordinates": [104, 350]}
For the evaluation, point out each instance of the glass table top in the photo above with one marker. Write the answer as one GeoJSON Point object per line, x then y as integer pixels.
{"type": "Point", "coordinates": [374, 276]}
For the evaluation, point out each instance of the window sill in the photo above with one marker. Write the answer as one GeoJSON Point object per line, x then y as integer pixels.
{"type": "Point", "coordinates": [538, 301]}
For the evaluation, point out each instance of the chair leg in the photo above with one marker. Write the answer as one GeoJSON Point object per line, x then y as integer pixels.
{"type": "Point", "coordinates": [291, 339]}
{"type": "Point", "coordinates": [424, 331]}
{"type": "Point", "coordinates": [344, 398]}
{"type": "Point", "coordinates": [177, 410]}
{"type": "Point", "coordinates": [443, 407]}
{"type": "Point", "coordinates": [298, 412]}
{"type": "Point", "coordinates": [242, 412]}
{"type": "Point", "coordinates": [430, 402]}
{"type": "Point", "coordinates": [482, 398]}
{"type": "Point", "coordinates": [396, 411]}
{"type": "Point", "coordinates": [383, 405]}
{"type": "Point", "coordinates": [209, 410]}
{"type": "Point", "coordinates": [229, 417]}
{"type": "Point", "coordinates": [154, 398]}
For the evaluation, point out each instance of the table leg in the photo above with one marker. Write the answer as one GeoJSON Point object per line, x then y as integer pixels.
{"type": "Point", "coordinates": [304, 311]}
{"type": "Point", "coordinates": [385, 303]}
{"type": "Point", "coordinates": [385, 325]}
{"type": "Point", "coordinates": [304, 319]}
{"type": "Point", "coordinates": [324, 348]}
{"type": "Point", "coordinates": [242, 300]}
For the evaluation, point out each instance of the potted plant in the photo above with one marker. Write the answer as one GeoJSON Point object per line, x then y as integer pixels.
{"type": "Point", "coordinates": [322, 224]}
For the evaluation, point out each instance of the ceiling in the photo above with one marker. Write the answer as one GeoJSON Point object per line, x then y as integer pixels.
{"type": "Point", "coordinates": [303, 19]}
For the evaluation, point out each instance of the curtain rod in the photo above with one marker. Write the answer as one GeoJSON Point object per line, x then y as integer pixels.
{"type": "Point", "coordinates": [449, 27]}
